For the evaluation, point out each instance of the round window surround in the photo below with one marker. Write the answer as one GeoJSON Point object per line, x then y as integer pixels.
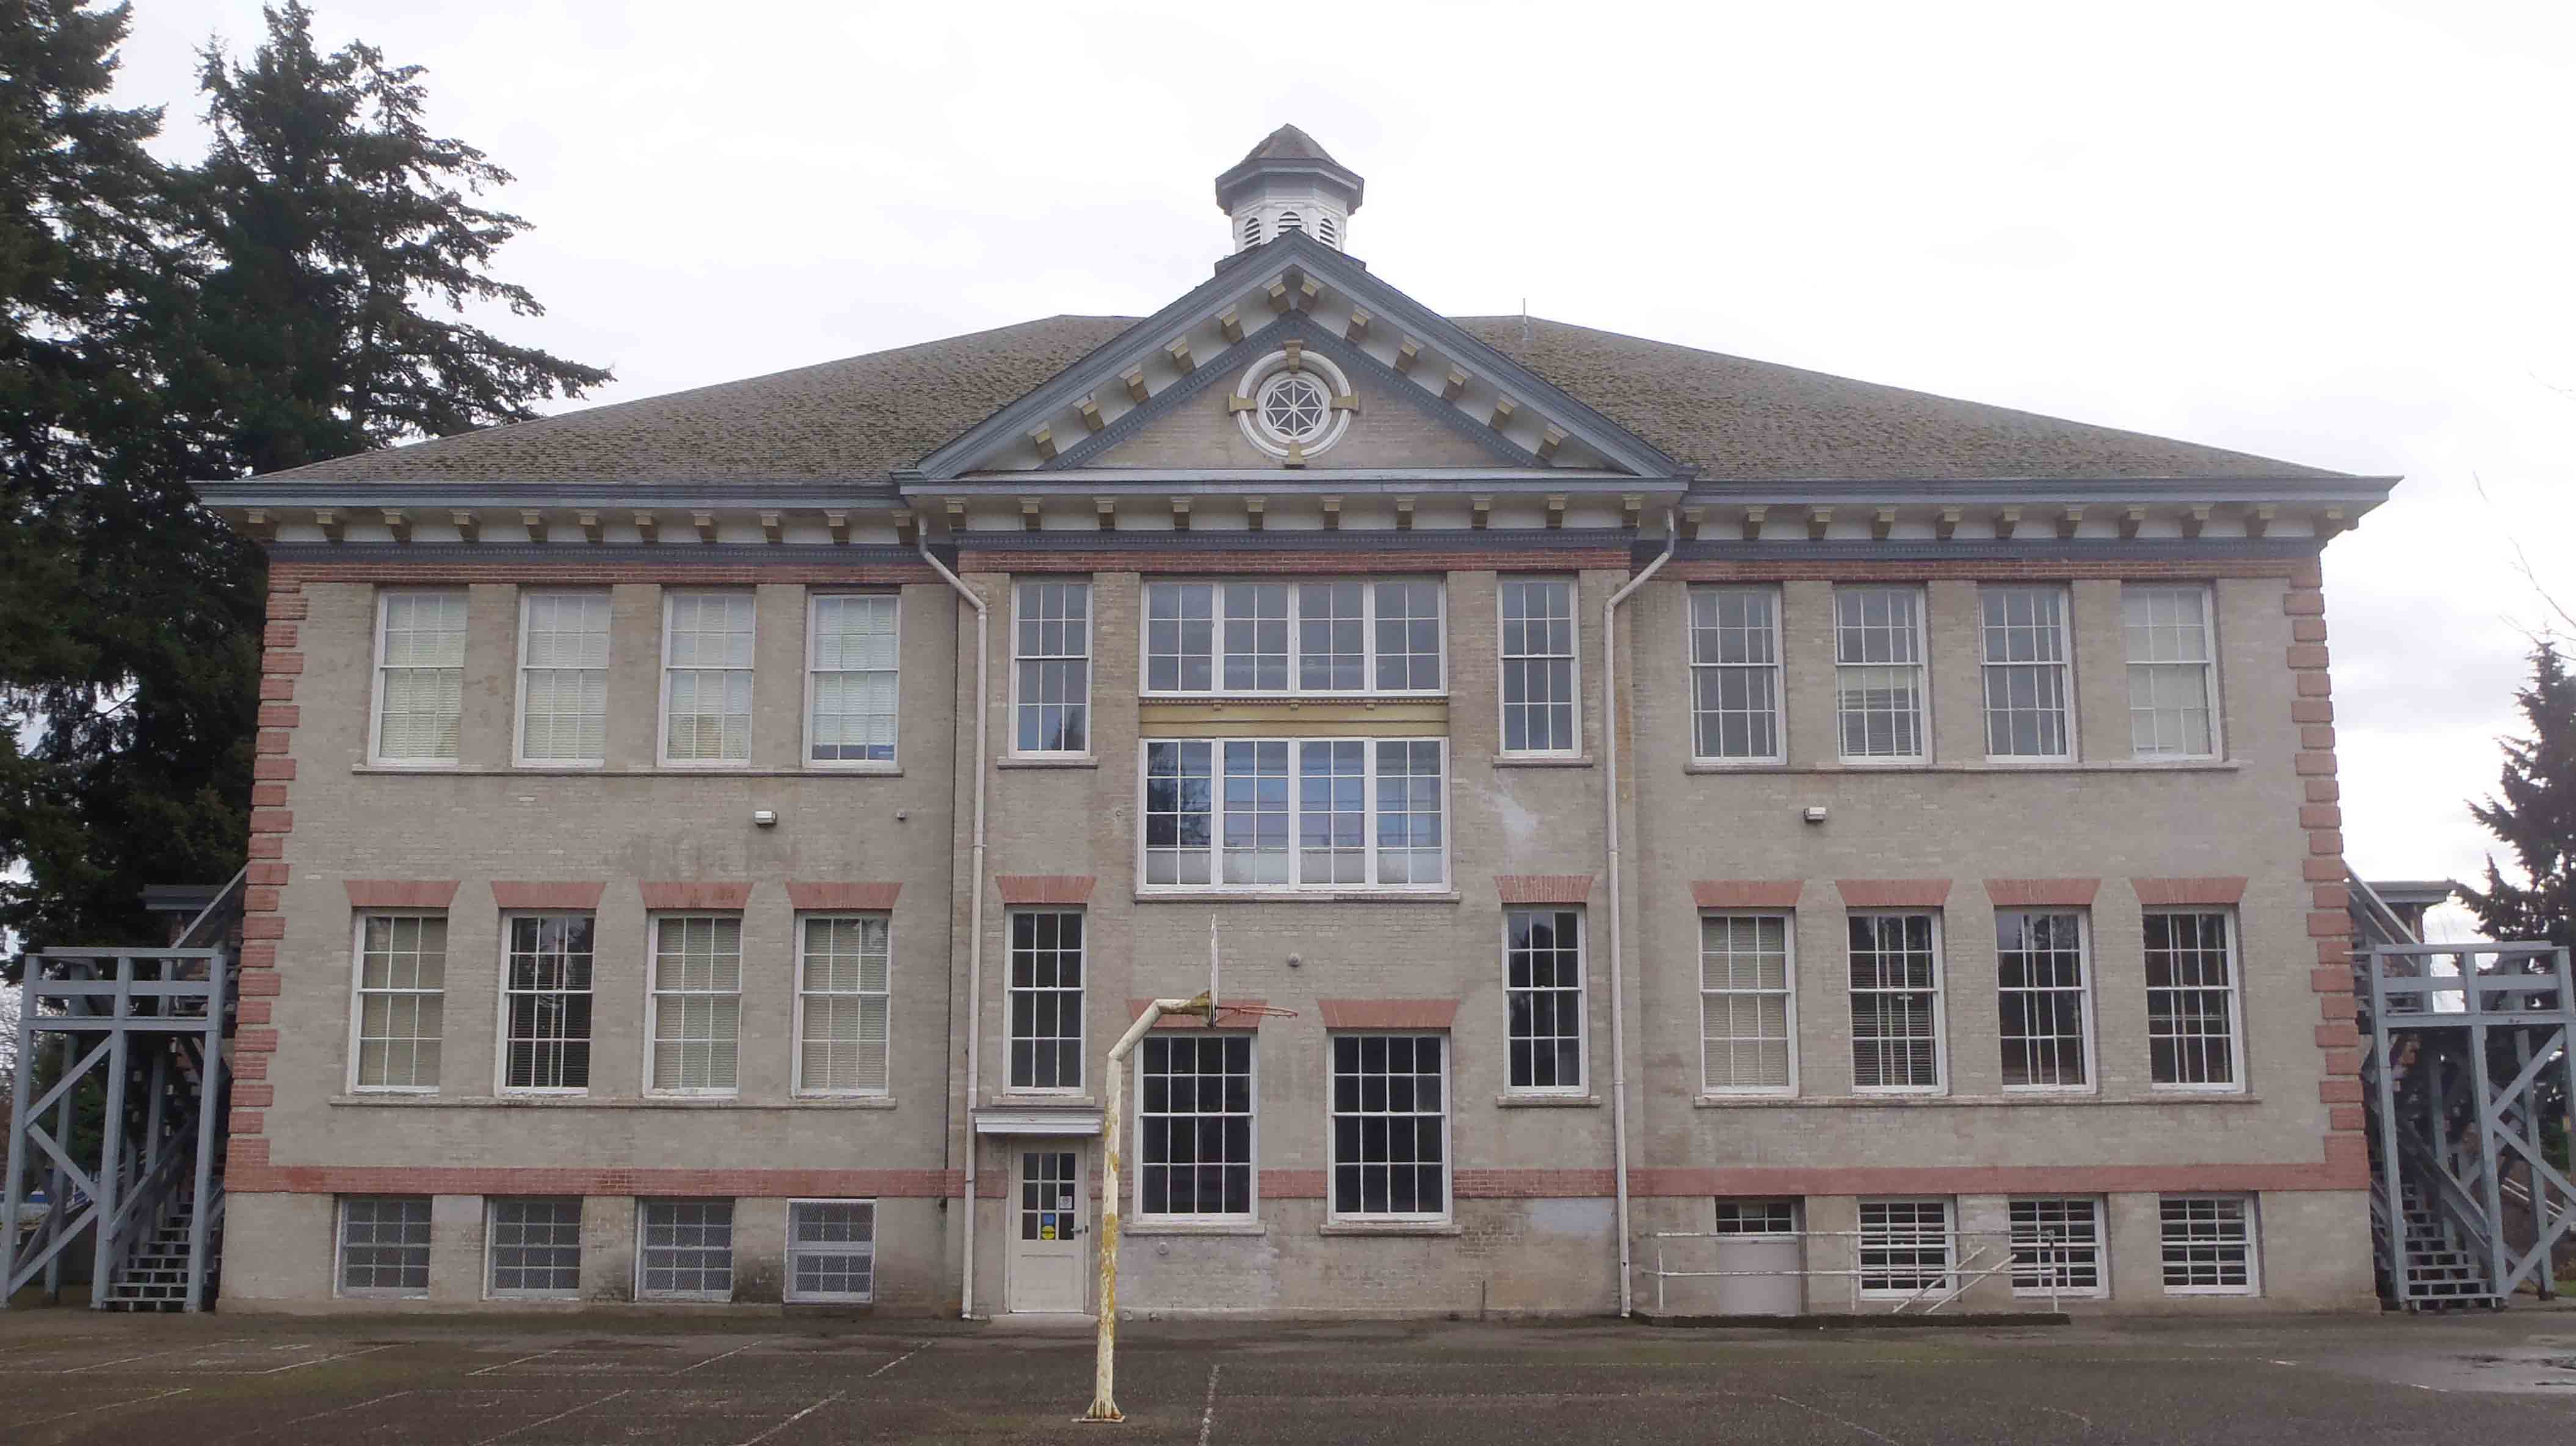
{"type": "Point", "coordinates": [1293, 406]}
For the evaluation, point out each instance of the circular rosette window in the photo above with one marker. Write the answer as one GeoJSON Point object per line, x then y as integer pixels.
{"type": "Point", "coordinates": [1292, 411]}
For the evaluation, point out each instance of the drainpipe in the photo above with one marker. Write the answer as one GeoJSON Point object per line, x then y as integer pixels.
{"type": "Point", "coordinates": [1610, 829]}
{"type": "Point", "coordinates": [974, 915]}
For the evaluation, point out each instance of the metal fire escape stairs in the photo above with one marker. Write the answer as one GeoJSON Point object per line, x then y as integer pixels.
{"type": "Point", "coordinates": [139, 1040]}
{"type": "Point", "coordinates": [2458, 1040]}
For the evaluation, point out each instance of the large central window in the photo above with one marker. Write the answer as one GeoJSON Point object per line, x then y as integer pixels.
{"type": "Point", "coordinates": [1285, 813]}
{"type": "Point", "coordinates": [1282, 637]}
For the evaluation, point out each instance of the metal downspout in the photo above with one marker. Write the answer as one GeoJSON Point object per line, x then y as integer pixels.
{"type": "Point", "coordinates": [974, 917]}
{"type": "Point", "coordinates": [1610, 832]}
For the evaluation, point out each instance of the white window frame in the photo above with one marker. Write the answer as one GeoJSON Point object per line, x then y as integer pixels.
{"type": "Point", "coordinates": [1089, 658]}
{"type": "Point", "coordinates": [501, 1062]}
{"type": "Point", "coordinates": [2037, 1270]}
{"type": "Point", "coordinates": [1252, 1164]}
{"type": "Point", "coordinates": [1448, 1131]}
{"type": "Point", "coordinates": [1446, 884]}
{"type": "Point", "coordinates": [2248, 1214]}
{"type": "Point", "coordinates": [1582, 1085]}
{"type": "Point", "coordinates": [805, 725]}
{"type": "Point", "coordinates": [1922, 666]}
{"type": "Point", "coordinates": [796, 1024]}
{"type": "Point", "coordinates": [2209, 670]}
{"type": "Point", "coordinates": [1777, 668]}
{"type": "Point", "coordinates": [1940, 1005]}
{"type": "Point", "coordinates": [1573, 656]}
{"type": "Point", "coordinates": [1788, 992]}
{"type": "Point", "coordinates": [528, 599]}
{"type": "Point", "coordinates": [662, 720]}
{"type": "Point", "coordinates": [1949, 1246]}
{"type": "Point", "coordinates": [653, 993]}
{"type": "Point", "coordinates": [340, 1287]}
{"type": "Point", "coordinates": [1772, 1207]}
{"type": "Point", "coordinates": [1295, 585]}
{"type": "Point", "coordinates": [2064, 664]}
{"type": "Point", "coordinates": [376, 700]}
{"type": "Point", "coordinates": [733, 1243]}
{"type": "Point", "coordinates": [2236, 1085]}
{"type": "Point", "coordinates": [791, 1294]}
{"type": "Point", "coordinates": [1081, 1004]}
{"type": "Point", "coordinates": [2084, 1001]}
{"type": "Point", "coordinates": [358, 993]}
{"type": "Point", "coordinates": [491, 1248]}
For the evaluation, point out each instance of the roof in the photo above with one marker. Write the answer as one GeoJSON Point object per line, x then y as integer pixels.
{"type": "Point", "coordinates": [1288, 144]}
{"type": "Point", "coordinates": [858, 418]}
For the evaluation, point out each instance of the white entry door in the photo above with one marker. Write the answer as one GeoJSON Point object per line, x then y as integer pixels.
{"type": "Point", "coordinates": [1050, 1243]}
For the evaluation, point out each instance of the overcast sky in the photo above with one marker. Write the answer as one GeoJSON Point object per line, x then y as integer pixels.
{"type": "Point", "coordinates": [2336, 233]}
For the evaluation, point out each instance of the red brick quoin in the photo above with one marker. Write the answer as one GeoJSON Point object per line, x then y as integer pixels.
{"type": "Point", "coordinates": [2329, 923]}
{"type": "Point", "coordinates": [272, 820]}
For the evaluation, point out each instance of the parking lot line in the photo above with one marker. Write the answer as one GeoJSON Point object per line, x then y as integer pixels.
{"type": "Point", "coordinates": [899, 1360]}
{"type": "Point", "coordinates": [550, 1420]}
{"type": "Point", "coordinates": [1207, 1418]}
{"type": "Point", "coordinates": [521, 1361]}
{"type": "Point", "coordinates": [711, 1360]}
{"type": "Point", "coordinates": [1840, 1421]}
{"type": "Point", "coordinates": [336, 1410]}
{"type": "Point", "coordinates": [110, 1406]}
{"type": "Point", "coordinates": [316, 1361]}
{"type": "Point", "coordinates": [792, 1420]}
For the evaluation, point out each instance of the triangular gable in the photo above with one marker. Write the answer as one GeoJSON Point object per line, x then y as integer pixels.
{"type": "Point", "coordinates": [1298, 286]}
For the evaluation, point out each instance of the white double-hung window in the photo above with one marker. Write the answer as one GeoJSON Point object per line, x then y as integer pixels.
{"type": "Point", "coordinates": [1390, 1137]}
{"type": "Point", "coordinates": [1879, 689]}
{"type": "Point", "coordinates": [398, 1028]}
{"type": "Point", "coordinates": [420, 676]}
{"type": "Point", "coordinates": [2173, 670]}
{"type": "Point", "coordinates": [1543, 993]}
{"type": "Point", "coordinates": [1735, 674]}
{"type": "Point", "coordinates": [706, 677]}
{"type": "Point", "coordinates": [2042, 988]}
{"type": "Point", "coordinates": [1295, 813]}
{"type": "Point", "coordinates": [1352, 636]}
{"type": "Point", "coordinates": [843, 1008]}
{"type": "Point", "coordinates": [563, 678]}
{"type": "Point", "coordinates": [1538, 678]}
{"type": "Point", "coordinates": [2029, 675]}
{"type": "Point", "coordinates": [1748, 1005]}
{"type": "Point", "coordinates": [1194, 1125]}
{"type": "Point", "coordinates": [1051, 669]}
{"type": "Point", "coordinates": [850, 671]}
{"type": "Point", "coordinates": [1896, 1002]}
{"type": "Point", "coordinates": [696, 1004]}
{"type": "Point", "coordinates": [2193, 1015]}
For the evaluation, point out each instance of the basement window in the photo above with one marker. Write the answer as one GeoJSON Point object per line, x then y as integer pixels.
{"type": "Point", "coordinates": [831, 1250]}
{"type": "Point", "coordinates": [688, 1250]}
{"type": "Point", "coordinates": [384, 1245]}
{"type": "Point", "coordinates": [2208, 1244]}
{"type": "Point", "coordinates": [2057, 1247]}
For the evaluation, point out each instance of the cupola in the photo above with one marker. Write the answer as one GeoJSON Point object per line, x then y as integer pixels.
{"type": "Point", "coordinates": [1287, 183]}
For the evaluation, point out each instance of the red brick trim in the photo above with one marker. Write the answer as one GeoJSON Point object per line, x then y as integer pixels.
{"type": "Point", "coordinates": [1747, 893]}
{"type": "Point", "coordinates": [400, 893]}
{"type": "Point", "coordinates": [841, 896]}
{"type": "Point", "coordinates": [515, 894]}
{"type": "Point", "coordinates": [1544, 888]}
{"type": "Point", "coordinates": [1045, 888]}
{"type": "Point", "coordinates": [1387, 1013]}
{"type": "Point", "coordinates": [546, 1180]}
{"type": "Point", "coordinates": [2167, 893]}
{"type": "Point", "coordinates": [2340, 1170]}
{"type": "Point", "coordinates": [573, 565]}
{"type": "Point", "coordinates": [1225, 1017]}
{"type": "Point", "coordinates": [1320, 562]}
{"type": "Point", "coordinates": [688, 894]}
{"type": "Point", "coordinates": [1893, 893]}
{"type": "Point", "coordinates": [1292, 1184]}
{"type": "Point", "coordinates": [2042, 893]}
{"type": "Point", "coordinates": [1997, 570]}
{"type": "Point", "coordinates": [272, 820]}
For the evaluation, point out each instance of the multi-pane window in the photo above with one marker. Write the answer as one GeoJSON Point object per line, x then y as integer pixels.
{"type": "Point", "coordinates": [1747, 1010]}
{"type": "Point", "coordinates": [1054, 668]}
{"type": "Point", "coordinates": [401, 999]}
{"type": "Point", "coordinates": [563, 677]}
{"type": "Point", "coordinates": [2046, 1028]}
{"type": "Point", "coordinates": [1905, 1246]}
{"type": "Point", "coordinates": [546, 999]}
{"type": "Point", "coordinates": [1046, 1000]}
{"type": "Point", "coordinates": [535, 1247]}
{"type": "Point", "coordinates": [853, 642]}
{"type": "Point", "coordinates": [1543, 987]}
{"type": "Point", "coordinates": [2173, 671]}
{"type": "Point", "coordinates": [687, 1250]}
{"type": "Point", "coordinates": [1896, 1002]}
{"type": "Point", "coordinates": [1279, 637]}
{"type": "Point", "coordinates": [420, 676]}
{"type": "Point", "coordinates": [2056, 1246]}
{"type": "Point", "coordinates": [697, 1003]}
{"type": "Point", "coordinates": [1194, 1125]}
{"type": "Point", "coordinates": [384, 1245]}
{"type": "Point", "coordinates": [1538, 666]}
{"type": "Point", "coordinates": [706, 677]}
{"type": "Point", "coordinates": [1878, 672]}
{"type": "Point", "coordinates": [2208, 1244]}
{"type": "Point", "coordinates": [2191, 1000]}
{"type": "Point", "coordinates": [1757, 1217]}
{"type": "Point", "coordinates": [843, 1013]}
{"type": "Point", "coordinates": [1390, 1125]}
{"type": "Point", "coordinates": [2029, 679]}
{"type": "Point", "coordinates": [1289, 813]}
{"type": "Point", "coordinates": [1735, 674]}
{"type": "Point", "coordinates": [831, 1249]}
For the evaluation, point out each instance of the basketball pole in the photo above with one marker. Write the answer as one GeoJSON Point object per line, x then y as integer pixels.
{"type": "Point", "coordinates": [1104, 1370]}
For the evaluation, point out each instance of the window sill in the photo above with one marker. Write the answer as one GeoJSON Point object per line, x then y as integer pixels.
{"type": "Point", "coordinates": [1390, 1227]}
{"type": "Point", "coordinates": [1546, 1102]}
{"type": "Point", "coordinates": [1541, 760]}
{"type": "Point", "coordinates": [2040, 1098]}
{"type": "Point", "coordinates": [1192, 1227]}
{"type": "Point", "coordinates": [556, 771]}
{"type": "Point", "coordinates": [1026, 1100]}
{"type": "Point", "coordinates": [1294, 896]}
{"type": "Point", "coordinates": [1070, 760]}
{"type": "Point", "coordinates": [585, 1102]}
{"type": "Point", "coordinates": [2105, 765]}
